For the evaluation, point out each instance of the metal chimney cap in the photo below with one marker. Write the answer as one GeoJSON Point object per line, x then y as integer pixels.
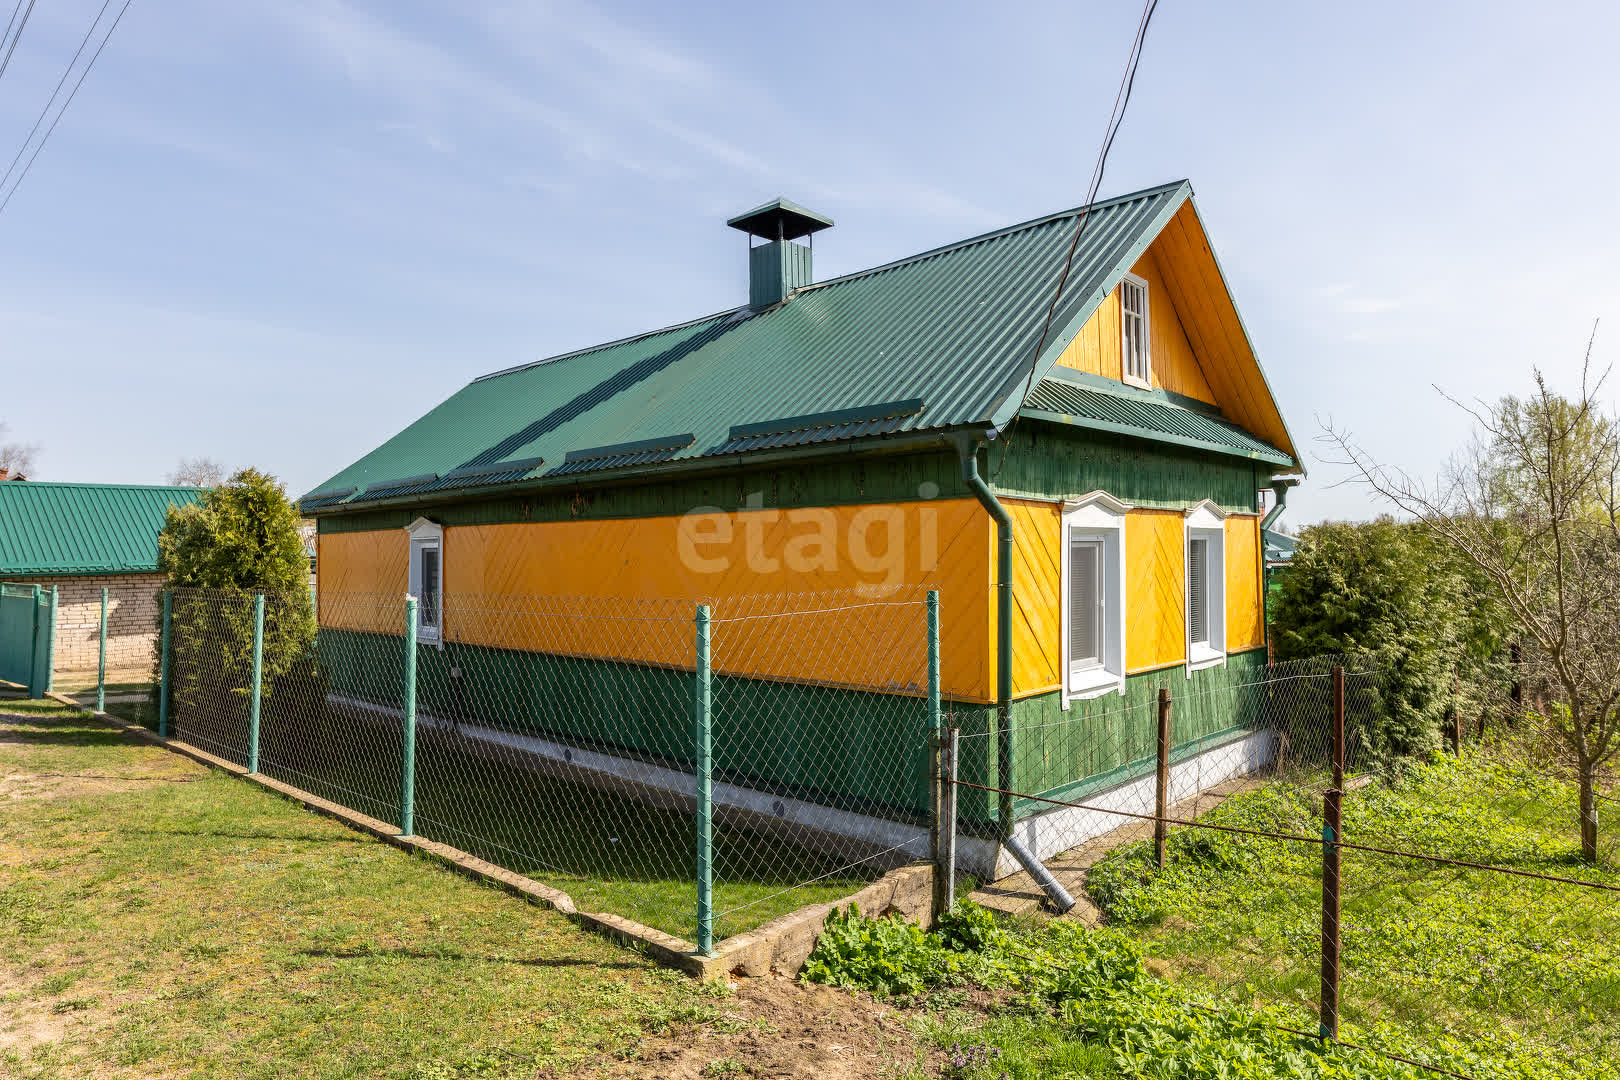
{"type": "Point", "coordinates": [780, 219]}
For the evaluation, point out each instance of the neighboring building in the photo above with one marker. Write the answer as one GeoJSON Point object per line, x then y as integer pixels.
{"type": "Point", "coordinates": [1125, 466]}
{"type": "Point", "coordinates": [81, 538]}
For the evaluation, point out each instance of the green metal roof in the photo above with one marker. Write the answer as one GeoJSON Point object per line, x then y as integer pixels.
{"type": "Point", "coordinates": [950, 332]}
{"type": "Point", "coordinates": [83, 528]}
{"type": "Point", "coordinates": [1144, 416]}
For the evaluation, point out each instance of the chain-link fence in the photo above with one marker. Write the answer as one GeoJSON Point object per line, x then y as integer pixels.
{"type": "Point", "coordinates": [700, 769]}
{"type": "Point", "coordinates": [1449, 919]}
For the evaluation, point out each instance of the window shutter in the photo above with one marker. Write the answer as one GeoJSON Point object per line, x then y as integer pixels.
{"type": "Point", "coordinates": [1198, 591]}
{"type": "Point", "coordinates": [1084, 604]}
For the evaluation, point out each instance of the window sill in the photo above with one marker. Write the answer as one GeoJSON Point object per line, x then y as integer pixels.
{"type": "Point", "coordinates": [1202, 657]}
{"type": "Point", "coordinates": [1132, 380]}
{"type": "Point", "coordinates": [1093, 684]}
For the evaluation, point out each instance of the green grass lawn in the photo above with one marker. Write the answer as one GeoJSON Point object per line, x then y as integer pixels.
{"type": "Point", "coordinates": [609, 852]}
{"type": "Point", "coordinates": [1520, 969]}
{"type": "Point", "coordinates": [159, 918]}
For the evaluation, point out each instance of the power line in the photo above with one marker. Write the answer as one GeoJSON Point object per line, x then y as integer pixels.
{"type": "Point", "coordinates": [54, 93]}
{"type": "Point", "coordinates": [15, 37]}
{"type": "Point", "coordinates": [71, 95]}
{"type": "Point", "coordinates": [1122, 99]}
{"type": "Point", "coordinates": [11, 23]}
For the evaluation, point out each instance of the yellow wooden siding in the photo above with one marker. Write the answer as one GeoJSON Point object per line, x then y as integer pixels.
{"type": "Point", "coordinates": [493, 572]}
{"type": "Point", "coordinates": [362, 578]}
{"type": "Point", "coordinates": [1155, 589]}
{"type": "Point", "coordinates": [1173, 365]}
{"type": "Point", "coordinates": [1096, 348]}
{"type": "Point", "coordinates": [1245, 619]}
{"type": "Point", "coordinates": [1192, 279]}
{"type": "Point", "coordinates": [1037, 637]}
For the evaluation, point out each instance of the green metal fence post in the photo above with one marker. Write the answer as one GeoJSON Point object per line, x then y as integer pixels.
{"type": "Point", "coordinates": [101, 658]}
{"type": "Point", "coordinates": [258, 683]}
{"type": "Point", "coordinates": [936, 762]}
{"type": "Point", "coordinates": [50, 645]}
{"type": "Point", "coordinates": [407, 765]}
{"type": "Point", "coordinates": [705, 789]}
{"type": "Point", "coordinates": [163, 666]}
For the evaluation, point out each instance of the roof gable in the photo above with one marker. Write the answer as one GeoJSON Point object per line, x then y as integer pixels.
{"type": "Point", "coordinates": [949, 334]}
{"type": "Point", "coordinates": [50, 528]}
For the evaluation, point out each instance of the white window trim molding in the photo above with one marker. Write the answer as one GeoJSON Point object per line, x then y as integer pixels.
{"type": "Point", "coordinates": [1147, 336]}
{"type": "Point", "coordinates": [1207, 520]}
{"type": "Point", "coordinates": [1100, 516]}
{"type": "Point", "coordinates": [423, 534]}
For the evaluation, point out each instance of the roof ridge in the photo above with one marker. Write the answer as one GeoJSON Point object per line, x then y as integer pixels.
{"type": "Point", "coordinates": [7, 486]}
{"type": "Point", "coordinates": [1005, 230]}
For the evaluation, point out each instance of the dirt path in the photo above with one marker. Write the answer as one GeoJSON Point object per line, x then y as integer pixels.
{"type": "Point", "coordinates": [780, 1028]}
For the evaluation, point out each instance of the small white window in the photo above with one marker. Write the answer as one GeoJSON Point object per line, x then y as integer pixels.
{"type": "Point", "coordinates": [1206, 586]}
{"type": "Point", "coordinates": [1093, 578]}
{"type": "Point", "coordinates": [1135, 330]}
{"type": "Point", "coordinates": [427, 579]}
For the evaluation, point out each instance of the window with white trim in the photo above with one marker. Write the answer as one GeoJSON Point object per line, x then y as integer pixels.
{"type": "Point", "coordinates": [1135, 330]}
{"type": "Point", "coordinates": [1206, 586]}
{"type": "Point", "coordinates": [1093, 611]}
{"type": "Point", "coordinates": [427, 579]}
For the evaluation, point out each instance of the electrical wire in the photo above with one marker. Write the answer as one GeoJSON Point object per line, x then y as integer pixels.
{"type": "Point", "coordinates": [11, 23]}
{"type": "Point", "coordinates": [71, 95]}
{"type": "Point", "coordinates": [6, 62]}
{"type": "Point", "coordinates": [54, 93]}
{"type": "Point", "coordinates": [1122, 99]}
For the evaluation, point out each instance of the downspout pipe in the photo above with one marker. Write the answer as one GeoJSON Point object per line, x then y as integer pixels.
{"type": "Point", "coordinates": [1279, 487]}
{"type": "Point", "coordinates": [968, 448]}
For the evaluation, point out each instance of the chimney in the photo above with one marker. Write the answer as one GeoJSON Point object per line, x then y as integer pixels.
{"type": "Point", "coordinates": [778, 266]}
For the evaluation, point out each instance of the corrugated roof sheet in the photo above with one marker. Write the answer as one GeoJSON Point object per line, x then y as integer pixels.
{"type": "Point", "coordinates": [956, 327]}
{"type": "Point", "coordinates": [1064, 401]}
{"type": "Point", "coordinates": [83, 528]}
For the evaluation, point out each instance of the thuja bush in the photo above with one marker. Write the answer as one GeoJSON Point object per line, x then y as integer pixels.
{"type": "Point", "coordinates": [240, 539]}
{"type": "Point", "coordinates": [1386, 595]}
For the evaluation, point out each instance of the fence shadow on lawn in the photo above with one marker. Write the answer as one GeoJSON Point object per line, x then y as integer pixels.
{"type": "Point", "coordinates": [555, 737]}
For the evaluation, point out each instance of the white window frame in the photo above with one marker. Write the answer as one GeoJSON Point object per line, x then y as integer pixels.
{"type": "Point", "coordinates": [1144, 380]}
{"type": "Point", "coordinates": [1096, 517]}
{"type": "Point", "coordinates": [1206, 521]}
{"type": "Point", "coordinates": [425, 534]}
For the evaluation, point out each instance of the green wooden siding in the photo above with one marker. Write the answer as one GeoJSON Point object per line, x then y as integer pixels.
{"type": "Point", "coordinates": [866, 479]}
{"type": "Point", "coordinates": [1047, 461]}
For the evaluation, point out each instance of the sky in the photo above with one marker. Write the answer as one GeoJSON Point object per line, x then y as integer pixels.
{"type": "Point", "coordinates": [274, 232]}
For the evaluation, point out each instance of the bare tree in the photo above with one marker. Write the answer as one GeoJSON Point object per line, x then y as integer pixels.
{"type": "Point", "coordinates": [15, 457]}
{"type": "Point", "coordinates": [198, 472]}
{"type": "Point", "coordinates": [1534, 503]}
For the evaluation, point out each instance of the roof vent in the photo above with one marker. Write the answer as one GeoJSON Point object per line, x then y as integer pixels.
{"type": "Point", "coordinates": [778, 266]}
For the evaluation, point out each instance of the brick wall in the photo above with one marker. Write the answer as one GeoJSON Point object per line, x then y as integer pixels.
{"type": "Point", "coordinates": [132, 613]}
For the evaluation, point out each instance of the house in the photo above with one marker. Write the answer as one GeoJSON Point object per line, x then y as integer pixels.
{"type": "Point", "coordinates": [79, 539]}
{"type": "Point", "coordinates": [1089, 513]}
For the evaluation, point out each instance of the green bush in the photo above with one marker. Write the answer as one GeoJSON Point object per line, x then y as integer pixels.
{"type": "Point", "coordinates": [1402, 605]}
{"type": "Point", "coordinates": [240, 539]}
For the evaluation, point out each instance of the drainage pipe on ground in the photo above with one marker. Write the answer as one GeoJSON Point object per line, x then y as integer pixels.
{"type": "Point", "coordinates": [968, 449]}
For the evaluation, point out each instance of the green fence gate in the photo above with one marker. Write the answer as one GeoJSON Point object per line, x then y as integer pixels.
{"type": "Point", "coordinates": [27, 636]}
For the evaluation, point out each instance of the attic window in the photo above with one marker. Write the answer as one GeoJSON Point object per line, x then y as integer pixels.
{"type": "Point", "coordinates": [1133, 326]}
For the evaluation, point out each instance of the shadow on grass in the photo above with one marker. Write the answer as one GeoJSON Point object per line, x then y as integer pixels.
{"type": "Point", "coordinates": [70, 737]}
{"type": "Point", "coordinates": [241, 834]}
{"type": "Point", "coordinates": [431, 954]}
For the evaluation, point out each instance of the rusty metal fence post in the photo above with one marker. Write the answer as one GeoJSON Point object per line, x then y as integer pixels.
{"type": "Point", "coordinates": [1161, 803]}
{"type": "Point", "coordinates": [1332, 836]}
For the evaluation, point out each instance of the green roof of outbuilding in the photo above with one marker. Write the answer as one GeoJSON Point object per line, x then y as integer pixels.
{"type": "Point", "coordinates": [83, 528]}
{"type": "Point", "coordinates": [950, 334]}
